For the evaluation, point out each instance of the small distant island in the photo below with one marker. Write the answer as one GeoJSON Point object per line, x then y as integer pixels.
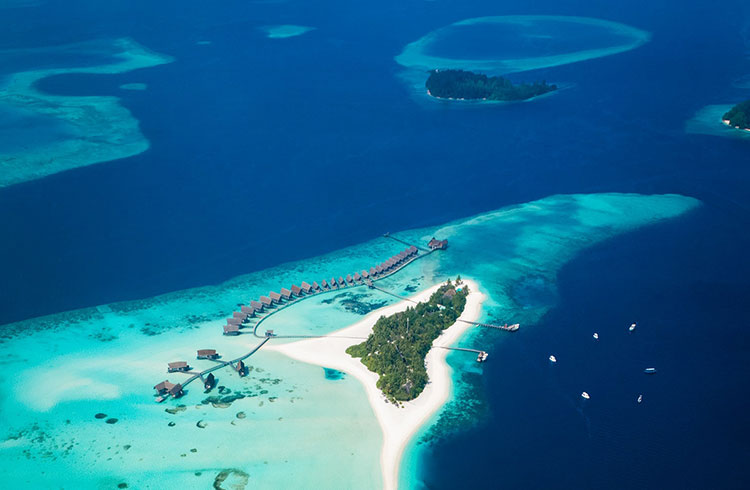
{"type": "Point", "coordinates": [466, 85]}
{"type": "Point", "coordinates": [398, 344]}
{"type": "Point", "coordinates": [738, 116]}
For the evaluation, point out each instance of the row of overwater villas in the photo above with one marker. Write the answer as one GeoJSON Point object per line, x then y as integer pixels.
{"type": "Point", "coordinates": [247, 311]}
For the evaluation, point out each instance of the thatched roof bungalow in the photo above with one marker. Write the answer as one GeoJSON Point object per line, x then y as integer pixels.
{"type": "Point", "coordinates": [207, 354]}
{"type": "Point", "coordinates": [178, 366]}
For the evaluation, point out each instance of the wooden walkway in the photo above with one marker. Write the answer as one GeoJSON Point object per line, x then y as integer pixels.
{"type": "Point", "coordinates": [221, 364]}
{"type": "Point", "coordinates": [388, 235]}
{"type": "Point", "coordinates": [357, 284]}
{"type": "Point", "coordinates": [421, 252]}
{"type": "Point", "coordinates": [507, 328]}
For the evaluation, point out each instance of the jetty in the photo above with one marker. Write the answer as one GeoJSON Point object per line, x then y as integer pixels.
{"type": "Point", "coordinates": [506, 327]}
{"type": "Point", "coordinates": [481, 355]}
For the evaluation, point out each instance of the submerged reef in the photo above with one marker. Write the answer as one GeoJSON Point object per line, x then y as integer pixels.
{"type": "Point", "coordinates": [61, 132]}
{"type": "Point", "coordinates": [485, 44]}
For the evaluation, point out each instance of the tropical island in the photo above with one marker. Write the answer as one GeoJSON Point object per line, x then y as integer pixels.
{"type": "Point", "coordinates": [398, 344]}
{"type": "Point", "coordinates": [466, 85]}
{"type": "Point", "coordinates": [738, 116]}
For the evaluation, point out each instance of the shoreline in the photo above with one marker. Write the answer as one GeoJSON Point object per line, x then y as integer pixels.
{"type": "Point", "coordinates": [398, 425]}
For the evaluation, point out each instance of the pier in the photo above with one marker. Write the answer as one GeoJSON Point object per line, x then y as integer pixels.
{"type": "Point", "coordinates": [388, 235]}
{"type": "Point", "coordinates": [481, 355]}
{"type": "Point", "coordinates": [506, 327]}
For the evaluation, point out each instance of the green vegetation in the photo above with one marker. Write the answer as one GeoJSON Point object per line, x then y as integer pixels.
{"type": "Point", "coordinates": [460, 84]}
{"type": "Point", "coordinates": [739, 115]}
{"type": "Point", "coordinates": [397, 347]}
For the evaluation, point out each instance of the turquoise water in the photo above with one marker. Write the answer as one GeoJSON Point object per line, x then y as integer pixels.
{"type": "Point", "coordinates": [292, 419]}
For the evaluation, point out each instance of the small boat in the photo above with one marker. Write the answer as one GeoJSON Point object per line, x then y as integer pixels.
{"type": "Point", "coordinates": [160, 399]}
{"type": "Point", "coordinates": [552, 358]}
{"type": "Point", "coordinates": [650, 370]}
{"type": "Point", "coordinates": [640, 398]}
{"type": "Point", "coordinates": [585, 395]}
{"type": "Point", "coordinates": [596, 336]}
{"type": "Point", "coordinates": [632, 327]}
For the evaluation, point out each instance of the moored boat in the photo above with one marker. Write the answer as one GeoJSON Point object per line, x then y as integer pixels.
{"type": "Point", "coordinates": [585, 395]}
{"type": "Point", "coordinates": [552, 358]}
{"type": "Point", "coordinates": [640, 398]}
{"type": "Point", "coordinates": [596, 336]}
{"type": "Point", "coordinates": [631, 327]}
{"type": "Point", "coordinates": [650, 370]}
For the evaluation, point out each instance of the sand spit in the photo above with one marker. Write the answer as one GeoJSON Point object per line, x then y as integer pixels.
{"type": "Point", "coordinates": [399, 424]}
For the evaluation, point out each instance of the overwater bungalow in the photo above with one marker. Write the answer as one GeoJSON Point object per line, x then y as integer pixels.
{"type": "Point", "coordinates": [364, 274]}
{"type": "Point", "coordinates": [413, 250]}
{"type": "Point", "coordinates": [231, 330]}
{"type": "Point", "coordinates": [247, 310]}
{"type": "Point", "coordinates": [207, 354]}
{"type": "Point", "coordinates": [357, 277]}
{"type": "Point", "coordinates": [266, 301]}
{"type": "Point", "coordinates": [333, 284]}
{"type": "Point", "coordinates": [269, 333]}
{"type": "Point", "coordinates": [341, 282]}
{"type": "Point", "coordinates": [307, 288]}
{"type": "Point", "coordinates": [275, 297]}
{"type": "Point", "coordinates": [324, 284]}
{"type": "Point", "coordinates": [436, 244]}
{"type": "Point", "coordinates": [296, 290]}
{"type": "Point", "coordinates": [233, 321]}
{"type": "Point", "coordinates": [176, 391]}
{"type": "Point", "coordinates": [286, 294]}
{"type": "Point", "coordinates": [374, 271]}
{"type": "Point", "coordinates": [241, 370]}
{"type": "Point", "coordinates": [209, 382]}
{"type": "Point", "coordinates": [163, 387]}
{"type": "Point", "coordinates": [178, 367]}
{"type": "Point", "coordinates": [349, 279]}
{"type": "Point", "coordinates": [256, 305]}
{"type": "Point", "coordinates": [378, 270]}
{"type": "Point", "coordinates": [240, 314]}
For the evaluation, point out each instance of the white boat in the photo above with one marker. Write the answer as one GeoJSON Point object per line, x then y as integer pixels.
{"type": "Point", "coordinates": [585, 395]}
{"type": "Point", "coordinates": [632, 327]}
{"type": "Point", "coordinates": [552, 358]}
{"type": "Point", "coordinates": [596, 336]}
{"type": "Point", "coordinates": [640, 398]}
{"type": "Point", "coordinates": [650, 370]}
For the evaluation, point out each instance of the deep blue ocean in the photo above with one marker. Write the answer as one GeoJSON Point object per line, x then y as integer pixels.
{"type": "Point", "coordinates": [265, 151]}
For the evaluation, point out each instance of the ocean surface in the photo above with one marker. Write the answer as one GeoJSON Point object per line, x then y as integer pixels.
{"type": "Point", "coordinates": [279, 156]}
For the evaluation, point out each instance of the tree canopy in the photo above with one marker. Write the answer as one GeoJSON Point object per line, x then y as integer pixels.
{"type": "Point", "coordinates": [460, 84]}
{"type": "Point", "coordinates": [739, 115]}
{"type": "Point", "coordinates": [397, 347]}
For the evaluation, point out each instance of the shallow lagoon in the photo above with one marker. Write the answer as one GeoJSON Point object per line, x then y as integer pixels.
{"type": "Point", "coordinates": [105, 360]}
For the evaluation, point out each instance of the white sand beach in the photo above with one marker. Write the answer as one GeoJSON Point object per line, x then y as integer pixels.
{"type": "Point", "coordinates": [398, 424]}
